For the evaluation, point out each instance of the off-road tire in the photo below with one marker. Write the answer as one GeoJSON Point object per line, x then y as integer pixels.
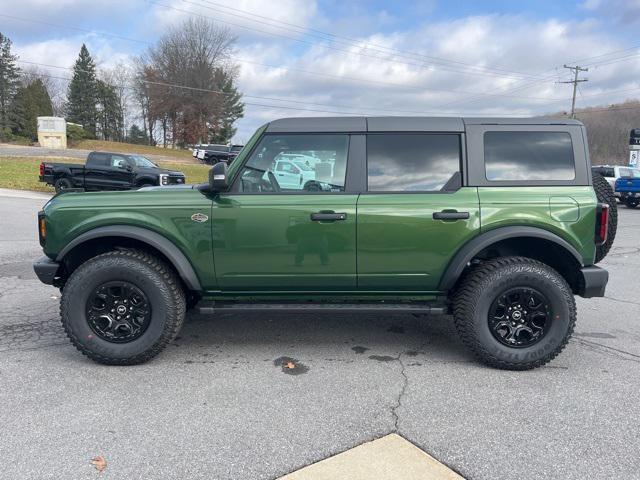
{"type": "Point", "coordinates": [631, 202]}
{"type": "Point", "coordinates": [484, 283]}
{"type": "Point", "coordinates": [62, 184]}
{"type": "Point", "coordinates": [151, 275]}
{"type": "Point", "coordinates": [605, 194]}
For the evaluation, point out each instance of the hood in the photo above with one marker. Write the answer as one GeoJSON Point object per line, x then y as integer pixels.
{"type": "Point", "coordinates": [159, 170]}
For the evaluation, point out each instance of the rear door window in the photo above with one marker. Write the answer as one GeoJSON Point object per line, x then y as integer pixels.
{"type": "Point", "coordinates": [399, 162]}
{"type": "Point", "coordinates": [98, 160]}
{"type": "Point", "coordinates": [528, 156]}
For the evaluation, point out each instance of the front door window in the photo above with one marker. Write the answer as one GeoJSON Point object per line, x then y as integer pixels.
{"type": "Point", "coordinates": [296, 163]}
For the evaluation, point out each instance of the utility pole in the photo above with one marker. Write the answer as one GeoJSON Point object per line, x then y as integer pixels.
{"type": "Point", "coordinates": [576, 70]}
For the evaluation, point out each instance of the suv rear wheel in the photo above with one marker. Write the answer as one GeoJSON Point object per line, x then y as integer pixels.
{"type": "Point", "coordinates": [122, 307]}
{"type": "Point", "coordinates": [514, 313]}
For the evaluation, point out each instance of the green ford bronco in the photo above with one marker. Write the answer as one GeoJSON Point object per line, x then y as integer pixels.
{"type": "Point", "coordinates": [495, 221]}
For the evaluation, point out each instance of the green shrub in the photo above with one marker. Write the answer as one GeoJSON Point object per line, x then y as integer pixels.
{"type": "Point", "coordinates": [75, 134]}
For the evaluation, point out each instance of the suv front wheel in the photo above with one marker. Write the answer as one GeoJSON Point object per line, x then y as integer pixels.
{"type": "Point", "coordinates": [514, 313]}
{"type": "Point", "coordinates": [122, 307]}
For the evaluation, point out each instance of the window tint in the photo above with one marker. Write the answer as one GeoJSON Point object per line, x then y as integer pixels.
{"type": "Point", "coordinates": [289, 163]}
{"type": "Point", "coordinates": [408, 162]}
{"type": "Point", "coordinates": [118, 161]}
{"type": "Point", "coordinates": [528, 156]}
{"type": "Point", "coordinates": [98, 159]}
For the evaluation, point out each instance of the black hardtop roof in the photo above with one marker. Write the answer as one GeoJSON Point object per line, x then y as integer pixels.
{"type": "Point", "coordinates": [400, 124]}
{"type": "Point", "coordinates": [101, 152]}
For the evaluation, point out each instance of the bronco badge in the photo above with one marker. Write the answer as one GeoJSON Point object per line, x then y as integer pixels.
{"type": "Point", "coordinates": [199, 217]}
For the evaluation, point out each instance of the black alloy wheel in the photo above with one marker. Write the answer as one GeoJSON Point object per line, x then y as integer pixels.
{"type": "Point", "coordinates": [520, 317]}
{"type": "Point", "coordinates": [118, 312]}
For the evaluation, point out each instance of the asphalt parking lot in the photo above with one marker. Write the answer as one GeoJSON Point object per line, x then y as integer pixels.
{"type": "Point", "coordinates": [218, 404]}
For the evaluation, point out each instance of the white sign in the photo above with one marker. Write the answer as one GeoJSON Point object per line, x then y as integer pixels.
{"type": "Point", "coordinates": [633, 158]}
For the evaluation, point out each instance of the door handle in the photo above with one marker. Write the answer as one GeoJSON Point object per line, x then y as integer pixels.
{"type": "Point", "coordinates": [450, 215]}
{"type": "Point", "coordinates": [327, 216]}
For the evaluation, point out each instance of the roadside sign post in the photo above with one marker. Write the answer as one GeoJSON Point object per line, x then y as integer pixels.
{"type": "Point", "coordinates": [634, 147]}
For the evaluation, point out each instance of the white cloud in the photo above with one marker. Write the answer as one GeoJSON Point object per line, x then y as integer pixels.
{"type": "Point", "coordinates": [491, 45]}
{"type": "Point", "coordinates": [451, 67]}
{"type": "Point", "coordinates": [233, 14]}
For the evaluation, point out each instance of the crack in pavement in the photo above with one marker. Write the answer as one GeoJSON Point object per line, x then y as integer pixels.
{"type": "Point", "coordinates": [604, 349]}
{"type": "Point", "coordinates": [405, 383]}
{"type": "Point", "coordinates": [621, 300]}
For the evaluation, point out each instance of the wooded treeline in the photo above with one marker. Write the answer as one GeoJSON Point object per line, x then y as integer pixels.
{"type": "Point", "coordinates": [181, 91]}
{"type": "Point", "coordinates": [608, 131]}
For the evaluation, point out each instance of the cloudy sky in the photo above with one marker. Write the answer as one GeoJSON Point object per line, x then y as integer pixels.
{"type": "Point", "coordinates": [376, 57]}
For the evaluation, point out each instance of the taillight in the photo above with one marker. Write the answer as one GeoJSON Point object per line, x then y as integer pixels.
{"type": "Point", "coordinates": [602, 223]}
{"type": "Point", "coordinates": [42, 169]}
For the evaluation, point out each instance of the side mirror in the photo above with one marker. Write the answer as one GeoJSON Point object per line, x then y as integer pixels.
{"type": "Point", "coordinates": [218, 180]}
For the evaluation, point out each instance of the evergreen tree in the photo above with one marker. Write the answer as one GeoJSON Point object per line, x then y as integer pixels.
{"type": "Point", "coordinates": [231, 109]}
{"type": "Point", "coordinates": [30, 102]}
{"type": "Point", "coordinates": [9, 80]}
{"type": "Point", "coordinates": [137, 135]}
{"type": "Point", "coordinates": [82, 95]}
{"type": "Point", "coordinates": [110, 115]}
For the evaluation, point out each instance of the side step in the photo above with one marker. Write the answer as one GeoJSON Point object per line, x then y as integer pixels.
{"type": "Point", "coordinates": [211, 307]}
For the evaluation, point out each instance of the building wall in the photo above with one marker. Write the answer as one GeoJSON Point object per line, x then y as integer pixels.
{"type": "Point", "coordinates": [52, 132]}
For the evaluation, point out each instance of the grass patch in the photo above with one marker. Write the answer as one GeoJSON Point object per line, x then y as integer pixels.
{"type": "Point", "coordinates": [21, 173]}
{"type": "Point", "coordinates": [120, 147]}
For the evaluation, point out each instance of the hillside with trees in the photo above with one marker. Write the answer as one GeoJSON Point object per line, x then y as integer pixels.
{"type": "Point", "coordinates": [608, 131]}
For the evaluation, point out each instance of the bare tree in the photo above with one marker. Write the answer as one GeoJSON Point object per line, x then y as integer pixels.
{"type": "Point", "coordinates": [185, 90]}
{"type": "Point", "coordinates": [56, 87]}
{"type": "Point", "coordinates": [120, 78]}
{"type": "Point", "coordinates": [143, 71]}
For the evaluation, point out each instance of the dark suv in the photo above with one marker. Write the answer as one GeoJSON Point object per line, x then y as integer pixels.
{"type": "Point", "coordinates": [495, 221]}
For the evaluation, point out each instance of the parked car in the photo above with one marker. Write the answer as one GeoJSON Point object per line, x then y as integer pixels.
{"type": "Point", "coordinates": [108, 171]}
{"type": "Point", "coordinates": [498, 222]}
{"type": "Point", "coordinates": [292, 175]}
{"type": "Point", "coordinates": [611, 173]}
{"type": "Point", "coordinates": [234, 150]}
{"type": "Point", "coordinates": [627, 186]}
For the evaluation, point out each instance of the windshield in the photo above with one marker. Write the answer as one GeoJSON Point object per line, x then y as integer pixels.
{"type": "Point", "coordinates": [630, 172]}
{"type": "Point", "coordinates": [141, 161]}
{"type": "Point", "coordinates": [236, 148]}
{"type": "Point", "coordinates": [303, 166]}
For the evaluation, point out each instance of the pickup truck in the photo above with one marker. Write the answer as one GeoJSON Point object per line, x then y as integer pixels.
{"type": "Point", "coordinates": [627, 187]}
{"type": "Point", "coordinates": [212, 154]}
{"type": "Point", "coordinates": [108, 171]}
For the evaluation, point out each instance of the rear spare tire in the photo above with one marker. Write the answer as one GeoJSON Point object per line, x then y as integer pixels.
{"type": "Point", "coordinates": [605, 194]}
{"type": "Point", "coordinates": [122, 307]}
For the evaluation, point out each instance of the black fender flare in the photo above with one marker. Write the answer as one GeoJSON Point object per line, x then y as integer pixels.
{"type": "Point", "coordinates": [470, 249]}
{"type": "Point", "coordinates": [155, 181]}
{"type": "Point", "coordinates": [157, 241]}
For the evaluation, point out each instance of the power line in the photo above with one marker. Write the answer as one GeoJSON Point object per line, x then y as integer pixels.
{"type": "Point", "coordinates": [350, 41]}
{"type": "Point", "coordinates": [576, 70]}
{"type": "Point", "coordinates": [308, 72]}
{"type": "Point", "coordinates": [349, 52]}
{"type": "Point", "coordinates": [282, 107]}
